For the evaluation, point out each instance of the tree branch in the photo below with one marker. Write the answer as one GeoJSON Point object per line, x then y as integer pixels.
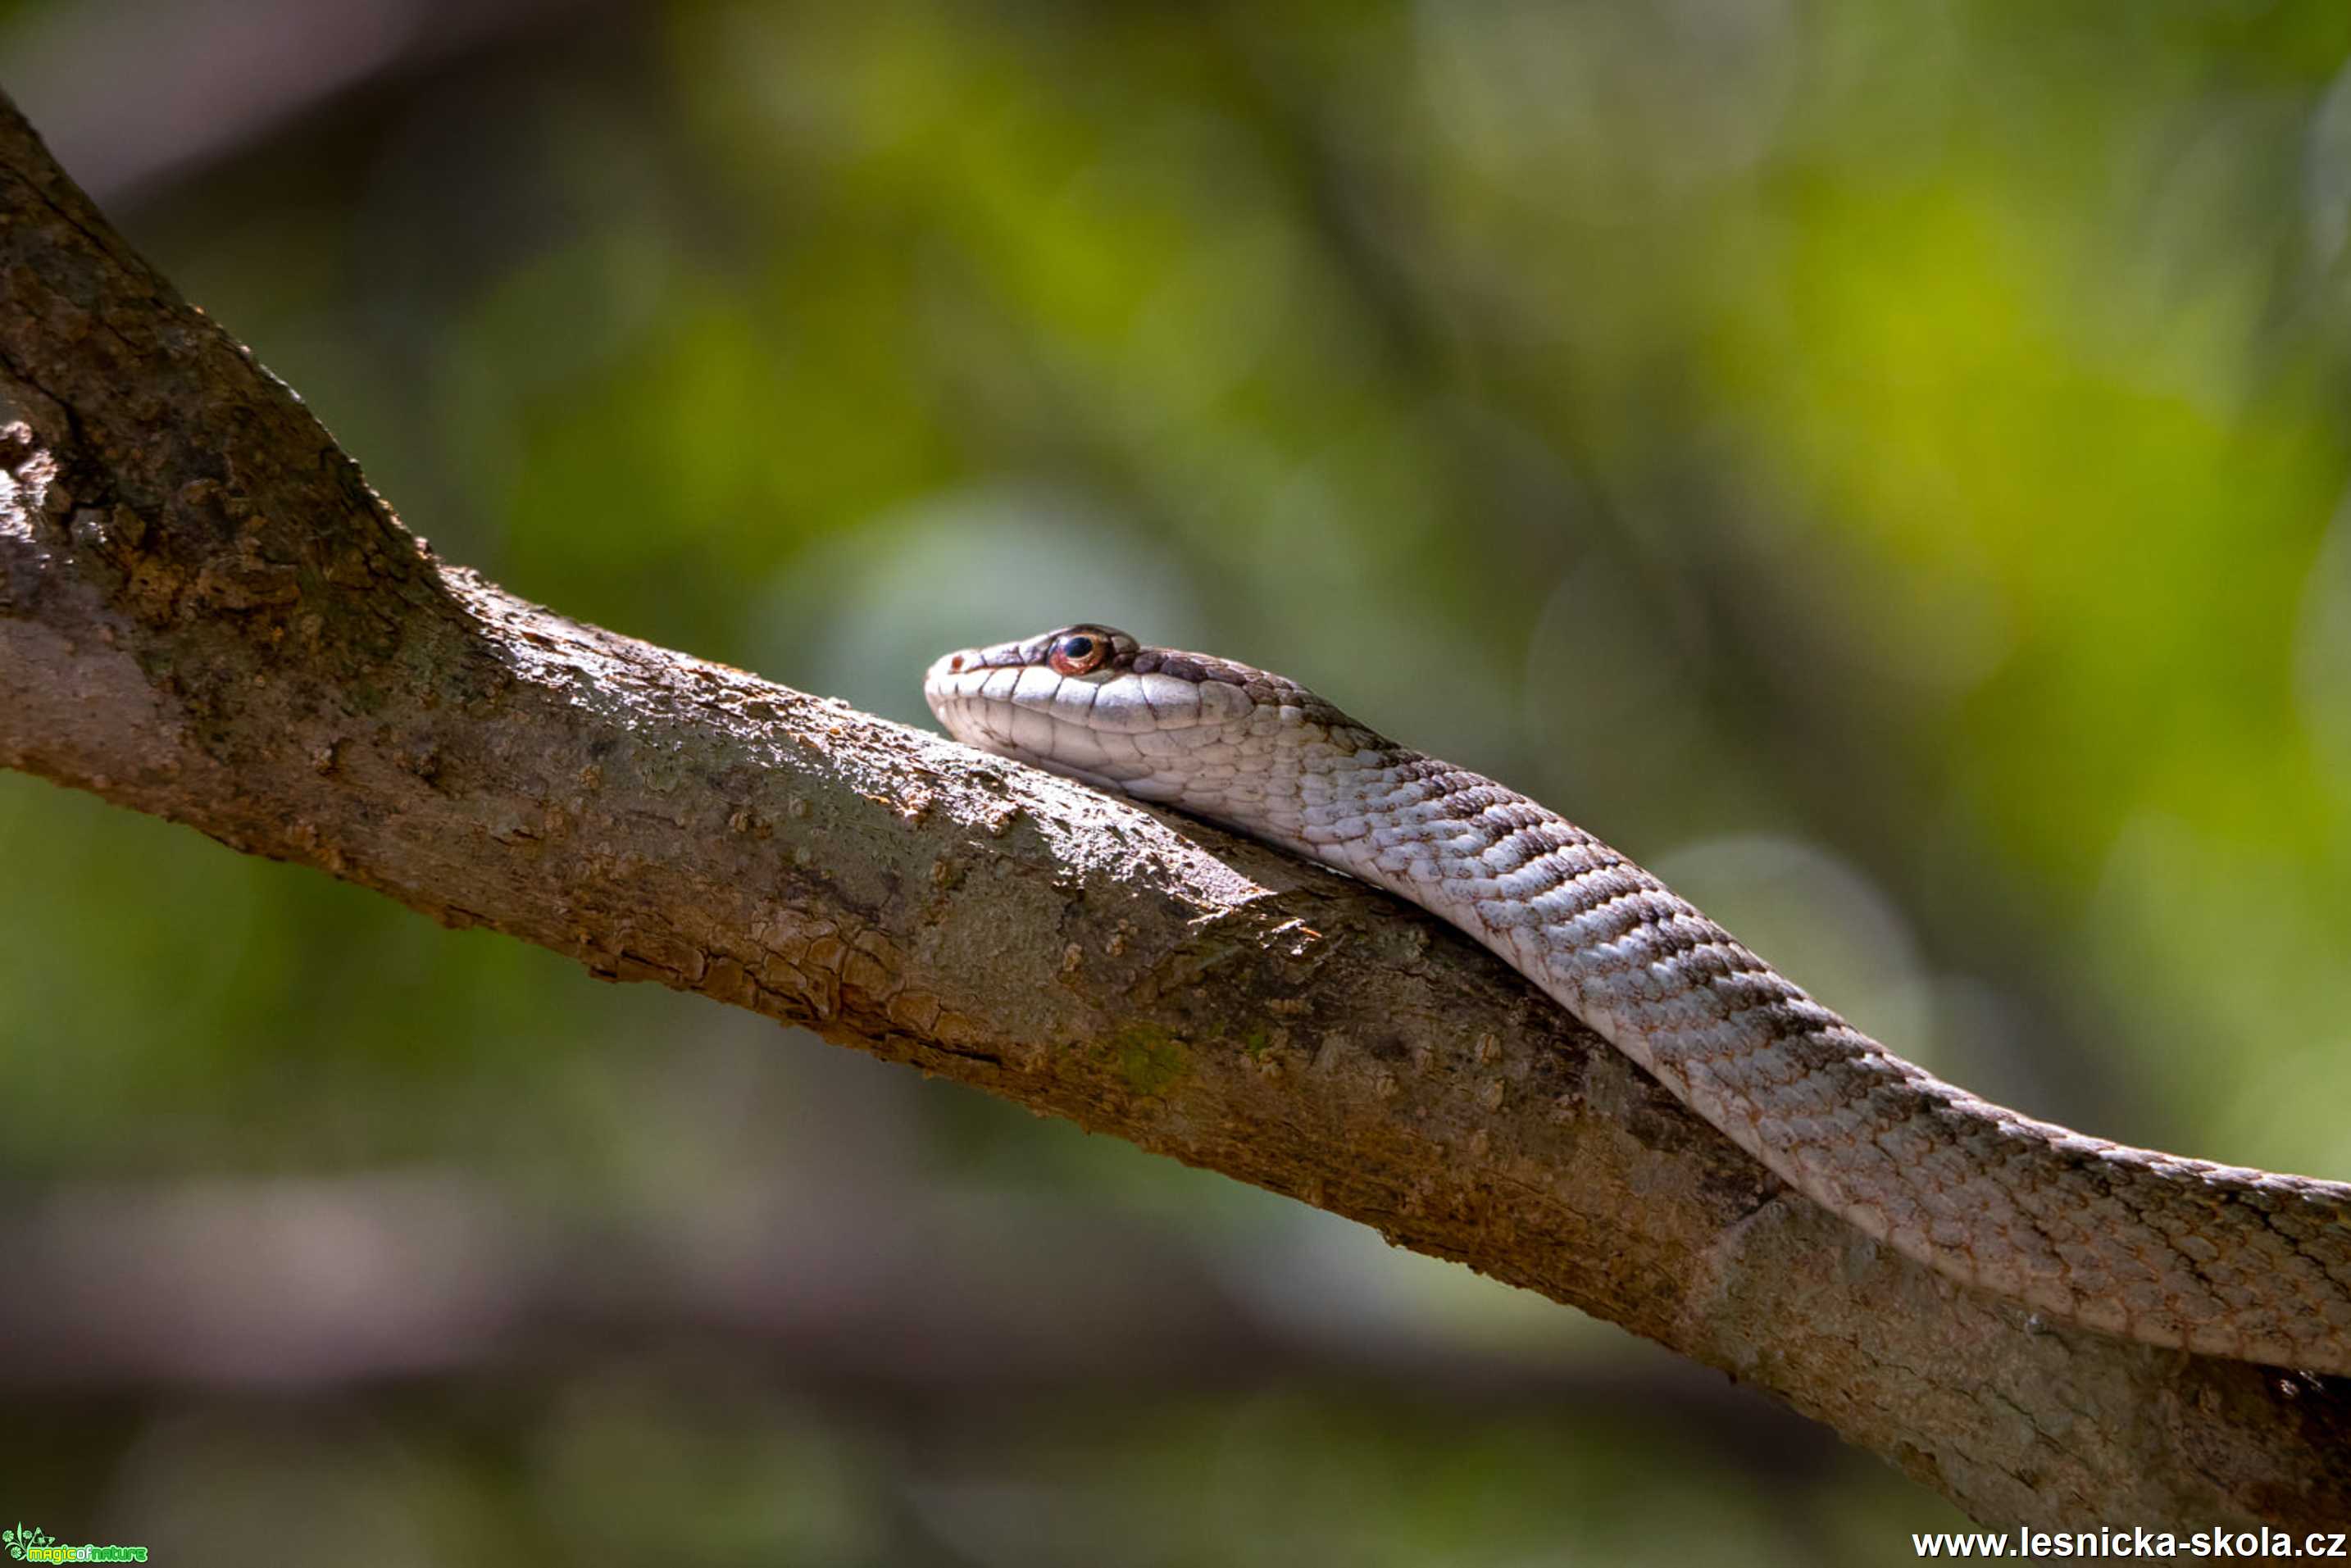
{"type": "Point", "coordinates": [205, 614]}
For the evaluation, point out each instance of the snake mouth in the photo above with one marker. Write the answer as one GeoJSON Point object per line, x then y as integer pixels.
{"type": "Point", "coordinates": [942, 685]}
{"type": "Point", "coordinates": [1114, 729]}
{"type": "Point", "coordinates": [1044, 740]}
{"type": "Point", "coordinates": [1032, 731]}
{"type": "Point", "coordinates": [1108, 702]}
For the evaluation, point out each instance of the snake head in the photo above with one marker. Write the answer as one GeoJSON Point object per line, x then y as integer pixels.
{"type": "Point", "coordinates": [1092, 703]}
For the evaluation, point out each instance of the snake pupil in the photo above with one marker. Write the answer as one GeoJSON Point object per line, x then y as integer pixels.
{"type": "Point", "coordinates": [1078, 654]}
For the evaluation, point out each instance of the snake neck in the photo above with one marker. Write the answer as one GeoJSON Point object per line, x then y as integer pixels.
{"type": "Point", "coordinates": [2171, 1251]}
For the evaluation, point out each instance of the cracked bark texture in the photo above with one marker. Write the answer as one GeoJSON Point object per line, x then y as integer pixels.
{"type": "Point", "coordinates": [205, 614]}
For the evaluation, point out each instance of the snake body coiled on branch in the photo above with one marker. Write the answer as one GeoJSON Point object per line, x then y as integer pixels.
{"type": "Point", "coordinates": [2218, 1260]}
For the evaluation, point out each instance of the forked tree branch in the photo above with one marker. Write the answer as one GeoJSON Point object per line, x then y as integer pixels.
{"type": "Point", "coordinates": [206, 615]}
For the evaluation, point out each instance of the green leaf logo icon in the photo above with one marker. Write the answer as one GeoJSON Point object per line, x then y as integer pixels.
{"type": "Point", "coordinates": [22, 1538]}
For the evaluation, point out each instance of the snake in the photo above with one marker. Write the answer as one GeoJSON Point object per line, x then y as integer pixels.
{"type": "Point", "coordinates": [2214, 1260]}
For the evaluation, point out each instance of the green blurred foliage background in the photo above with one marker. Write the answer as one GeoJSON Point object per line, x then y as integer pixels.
{"type": "Point", "coordinates": [1878, 462]}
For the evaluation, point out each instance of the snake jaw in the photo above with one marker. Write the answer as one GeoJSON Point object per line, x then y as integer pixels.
{"type": "Point", "coordinates": [1008, 699]}
{"type": "Point", "coordinates": [1116, 726]}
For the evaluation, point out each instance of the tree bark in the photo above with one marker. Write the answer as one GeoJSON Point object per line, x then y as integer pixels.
{"type": "Point", "coordinates": [205, 614]}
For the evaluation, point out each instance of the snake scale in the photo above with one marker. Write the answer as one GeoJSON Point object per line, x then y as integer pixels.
{"type": "Point", "coordinates": [2214, 1258]}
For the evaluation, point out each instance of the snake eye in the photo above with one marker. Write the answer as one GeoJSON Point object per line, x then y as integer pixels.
{"type": "Point", "coordinates": [1077, 653]}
